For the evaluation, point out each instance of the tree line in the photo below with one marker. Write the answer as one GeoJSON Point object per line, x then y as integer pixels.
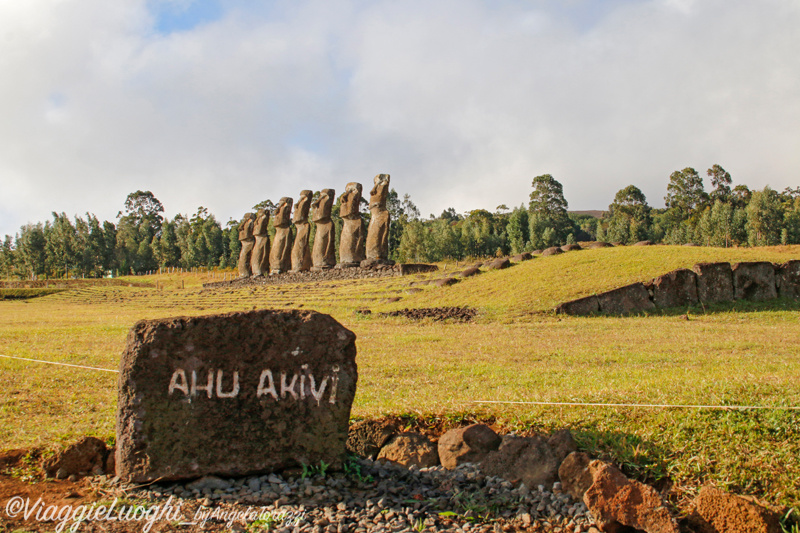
{"type": "Point", "coordinates": [143, 240]}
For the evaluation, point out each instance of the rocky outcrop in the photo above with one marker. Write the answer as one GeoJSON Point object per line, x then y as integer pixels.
{"type": "Point", "coordinates": [616, 501]}
{"type": "Point", "coordinates": [571, 248]}
{"type": "Point", "coordinates": [553, 250]}
{"type": "Point", "coordinates": [524, 256]}
{"type": "Point", "coordinates": [716, 511]}
{"type": "Point", "coordinates": [469, 444]}
{"type": "Point", "coordinates": [582, 306]}
{"type": "Point", "coordinates": [469, 272]}
{"type": "Point", "coordinates": [714, 282]}
{"type": "Point", "coordinates": [499, 264]}
{"type": "Point", "coordinates": [674, 289]}
{"type": "Point", "coordinates": [787, 279]}
{"type": "Point", "coordinates": [632, 298]}
{"type": "Point", "coordinates": [754, 281]}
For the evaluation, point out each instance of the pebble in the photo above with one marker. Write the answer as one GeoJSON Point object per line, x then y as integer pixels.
{"type": "Point", "coordinates": [387, 497]}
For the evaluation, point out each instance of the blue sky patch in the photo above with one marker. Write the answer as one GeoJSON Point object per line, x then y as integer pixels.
{"type": "Point", "coordinates": [175, 16]}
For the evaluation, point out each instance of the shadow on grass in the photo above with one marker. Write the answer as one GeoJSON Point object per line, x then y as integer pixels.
{"type": "Point", "coordinates": [737, 306]}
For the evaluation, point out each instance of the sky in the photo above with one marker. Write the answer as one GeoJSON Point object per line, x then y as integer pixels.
{"type": "Point", "coordinates": [225, 103]}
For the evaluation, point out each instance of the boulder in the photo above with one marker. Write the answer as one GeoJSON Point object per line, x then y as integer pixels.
{"type": "Point", "coordinates": [714, 282]}
{"type": "Point", "coordinates": [787, 279]}
{"type": "Point", "coordinates": [530, 460]}
{"type": "Point", "coordinates": [675, 289]}
{"type": "Point", "coordinates": [233, 394]}
{"type": "Point", "coordinates": [367, 437]}
{"type": "Point", "coordinates": [467, 445]}
{"type": "Point", "coordinates": [469, 272]}
{"type": "Point", "coordinates": [85, 457]}
{"type": "Point", "coordinates": [716, 511]}
{"type": "Point", "coordinates": [571, 248]}
{"type": "Point", "coordinates": [537, 252]}
{"type": "Point", "coordinates": [616, 501]}
{"type": "Point", "coordinates": [499, 264]}
{"type": "Point", "coordinates": [524, 256]}
{"type": "Point", "coordinates": [580, 307]}
{"type": "Point", "coordinates": [643, 243]}
{"type": "Point", "coordinates": [409, 449]}
{"type": "Point", "coordinates": [624, 300]}
{"type": "Point", "coordinates": [574, 474]}
{"type": "Point", "coordinates": [444, 282]}
{"type": "Point", "coordinates": [754, 281]}
{"type": "Point", "coordinates": [416, 268]}
{"type": "Point", "coordinates": [553, 250]}
{"type": "Point", "coordinates": [601, 244]}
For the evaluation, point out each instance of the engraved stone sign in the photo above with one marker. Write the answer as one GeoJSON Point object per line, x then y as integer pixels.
{"type": "Point", "coordinates": [233, 394]}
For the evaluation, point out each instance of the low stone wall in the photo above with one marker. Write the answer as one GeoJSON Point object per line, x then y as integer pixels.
{"type": "Point", "coordinates": [705, 283]}
{"type": "Point", "coordinates": [376, 271]}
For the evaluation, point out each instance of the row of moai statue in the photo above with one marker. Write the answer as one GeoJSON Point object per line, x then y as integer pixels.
{"type": "Point", "coordinates": [288, 254]}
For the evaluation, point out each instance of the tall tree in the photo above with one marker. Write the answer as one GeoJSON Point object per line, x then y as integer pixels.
{"type": "Point", "coordinates": [685, 191]}
{"type": "Point", "coordinates": [518, 230]}
{"type": "Point", "coordinates": [549, 222]}
{"type": "Point", "coordinates": [721, 182]}
{"type": "Point", "coordinates": [629, 218]}
{"type": "Point", "coordinates": [764, 218]}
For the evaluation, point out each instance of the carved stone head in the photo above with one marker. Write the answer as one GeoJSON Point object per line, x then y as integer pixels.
{"type": "Point", "coordinates": [301, 208]}
{"type": "Point", "coordinates": [379, 192]}
{"type": "Point", "coordinates": [322, 205]}
{"type": "Point", "coordinates": [282, 217]}
{"type": "Point", "coordinates": [350, 200]}
{"type": "Point", "coordinates": [261, 223]}
{"type": "Point", "coordinates": [246, 227]}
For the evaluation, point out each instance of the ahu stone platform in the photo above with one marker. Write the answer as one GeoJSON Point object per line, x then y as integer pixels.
{"type": "Point", "coordinates": [705, 283]}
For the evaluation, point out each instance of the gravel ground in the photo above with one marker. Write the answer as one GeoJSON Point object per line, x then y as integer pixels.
{"type": "Point", "coordinates": [371, 496]}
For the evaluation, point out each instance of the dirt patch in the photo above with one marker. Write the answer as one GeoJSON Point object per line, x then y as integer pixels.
{"type": "Point", "coordinates": [460, 314]}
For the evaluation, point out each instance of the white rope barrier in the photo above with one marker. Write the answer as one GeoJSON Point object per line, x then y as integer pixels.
{"type": "Point", "coordinates": [59, 364]}
{"type": "Point", "coordinates": [645, 405]}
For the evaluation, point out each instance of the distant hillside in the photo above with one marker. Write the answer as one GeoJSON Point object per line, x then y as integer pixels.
{"type": "Point", "coordinates": [594, 213]}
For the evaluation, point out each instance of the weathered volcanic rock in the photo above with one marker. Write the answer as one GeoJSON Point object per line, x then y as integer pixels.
{"type": "Point", "coordinates": [469, 444]}
{"type": "Point", "coordinates": [469, 272]}
{"type": "Point", "coordinates": [716, 511]}
{"type": "Point", "coordinates": [409, 449]}
{"type": "Point", "coordinates": [675, 289]}
{"type": "Point", "coordinates": [233, 394]}
{"type": "Point", "coordinates": [553, 250]}
{"type": "Point", "coordinates": [574, 474]}
{"type": "Point", "coordinates": [499, 264]}
{"type": "Point", "coordinates": [580, 307]}
{"type": "Point", "coordinates": [643, 243]}
{"type": "Point", "coordinates": [614, 501]}
{"type": "Point", "coordinates": [624, 300]}
{"type": "Point", "coordinates": [788, 279]}
{"type": "Point", "coordinates": [571, 248]}
{"type": "Point", "coordinates": [714, 282]}
{"type": "Point", "coordinates": [531, 460]}
{"type": "Point", "coordinates": [754, 281]}
{"type": "Point", "coordinates": [601, 244]}
{"type": "Point", "coordinates": [367, 437]}
{"type": "Point", "coordinates": [444, 282]}
{"type": "Point", "coordinates": [524, 256]}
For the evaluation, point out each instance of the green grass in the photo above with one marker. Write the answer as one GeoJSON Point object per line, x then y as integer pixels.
{"type": "Point", "coordinates": [439, 373]}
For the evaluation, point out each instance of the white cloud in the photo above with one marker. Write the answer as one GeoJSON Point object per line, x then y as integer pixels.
{"type": "Point", "coordinates": [462, 102]}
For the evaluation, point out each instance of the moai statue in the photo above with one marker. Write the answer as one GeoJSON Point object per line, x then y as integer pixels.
{"type": "Point", "coordinates": [351, 243]}
{"type": "Point", "coordinates": [378, 230]}
{"type": "Point", "coordinates": [248, 242]}
{"type": "Point", "coordinates": [323, 256]}
{"type": "Point", "coordinates": [301, 255]}
{"type": "Point", "coordinates": [259, 263]}
{"type": "Point", "coordinates": [280, 256]}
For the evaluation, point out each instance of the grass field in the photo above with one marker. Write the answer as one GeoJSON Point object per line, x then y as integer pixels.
{"type": "Point", "coordinates": [516, 350]}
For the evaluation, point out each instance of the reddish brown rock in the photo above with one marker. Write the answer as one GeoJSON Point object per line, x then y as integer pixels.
{"type": "Point", "coordinates": [524, 256]}
{"type": "Point", "coordinates": [580, 307]}
{"type": "Point", "coordinates": [714, 282]}
{"type": "Point", "coordinates": [537, 252]}
{"type": "Point", "coordinates": [248, 242]}
{"type": "Point", "coordinates": [625, 300]}
{"type": "Point", "coordinates": [233, 394]}
{"type": "Point", "coordinates": [280, 255]}
{"type": "Point", "coordinates": [444, 282]}
{"type": "Point", "coordinates": [675, 289]}
{"type": "Point", "coordinates": [571, 248]}
{"type": "Point", "coordinates": [614, 501]}
{"type": "Point", "coordinates": [754, 281]}
{"type": "Point", "coordinates": [530, 460]}
{"type": "Point", "coordinates": [377, 247]}
{"type": "Point", "coordinates": [787, 279]}
{"type": "Point", "coordinates": [499, 264]}
{"type": "Point", "coordinates": [716, 511]}
{"type": "Point", "coordinates": [643, 243]}
{"type": "Point", "coordinates": [351, 243]}
{"type": "Point", "coordinates": [553, 250]}
{"type": "Point", "coordinates": [469, 444]}
{"type": "Point", "coordinates": [601, 244]}
{"type": "Point", "coordinates": [574, 474]}
{"type": "Point", "coordinates": [259, 260]}
{"type": "Point", "coordinates": [367, 437]}
{"type": "Point", "coordinates": [301, 253]}
{"type": "Point", "coordinates": [85, 457]}
{"type": "Point", "coordinates": [408, 449]}
{"type": "Point", "coordinates": [415, 268]}
{"type": "Point", "coordinates": [469, 272]}
{"type": "Point", "coordinates": [323, 256]}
